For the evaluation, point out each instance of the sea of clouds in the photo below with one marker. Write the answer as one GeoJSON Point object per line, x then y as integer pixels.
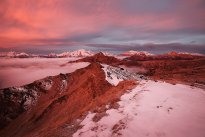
{"type": "Point", "coordinates": [18, 72]}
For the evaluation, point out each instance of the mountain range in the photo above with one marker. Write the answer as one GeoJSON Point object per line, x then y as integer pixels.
{"type": "Point", "coordinates": [85, 53]}
{"type": "Point", "coordinates": [141, 94]}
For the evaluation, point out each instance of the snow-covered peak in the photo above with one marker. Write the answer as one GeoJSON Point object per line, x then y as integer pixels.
{"type": "Point", "coordinates": [184, 53]}
{"type": "Point", "coordinates": [114, 74]}
{"type": "Point", "coordinates": [77, 53]}
{"type": "Point", "coordinates": [108, 54]}
{"type": "Point", "coordinates": [81, 53]}
{"type": "Point", "coordinates": [22, 55]}
{"type": "Point", "coordinates": [13, 54]}
{"type": "Point", "coordinates": [64, 54]}
{"type": "Point", "coordinates": [52, 55]}
{"type": "Point", "coordinates": [132, 52]}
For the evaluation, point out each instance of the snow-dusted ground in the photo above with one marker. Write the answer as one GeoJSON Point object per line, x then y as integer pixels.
{"type": "Point", "coordinates": [116, 74]}
{"type": "Point", "coordinates": [152, 109]}
{"type": "Point", "coordinates": [17, 71]}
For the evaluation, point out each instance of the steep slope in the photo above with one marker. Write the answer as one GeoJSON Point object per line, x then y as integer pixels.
{"type": "Point", "coordinates": [43, 107]}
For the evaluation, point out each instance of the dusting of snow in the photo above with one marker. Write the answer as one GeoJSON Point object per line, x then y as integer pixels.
{"type": "Point", "coordinates": [29, 102]}
{"type": "Point", "coordinates": [108, 54]}
{"type": "Point", "coordinates": [45, 84]}
{"type": "Point", "coordinates": [154, 109]}
{"type": "Point", "coordinates": [19, 89]}
{"type": "Point", "coordinates": [63, 86]}
{"type": "Point", "coordinates": [114, 74]}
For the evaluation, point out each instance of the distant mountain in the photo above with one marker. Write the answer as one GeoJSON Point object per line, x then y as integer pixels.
{"type": "Point", "coordinates": [77, 53]}
{"type": "Point", "coordinates": [15, 55]}
{"type": "Point", "coordinates": [100, 58]}
{"type": "Point", "coordinates": [167, 56]}
{"type": "Point", "coordinates": [137, 55]}
{"type": "Point", "coordinates": [132, 52]}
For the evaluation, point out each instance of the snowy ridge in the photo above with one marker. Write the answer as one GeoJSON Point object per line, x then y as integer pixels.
{"type": "Point", "coordinates": [132, 52]}
{"type": "Point", "coordinates": [108, 54]}
{"type": "Point", "coordinates": [13, 54]}
{"type": "Point", "coordinates": [77, 53]}
{"type": "Point", "coordinates": [174, 53]}
{"type": "Point", "coordinates": [114, 74]}
{"type": "Point", "coordinates": [154, 109]}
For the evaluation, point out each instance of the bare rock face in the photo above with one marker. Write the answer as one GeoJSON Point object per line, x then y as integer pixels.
{"type": "Point", "coordinates": [43, 107]}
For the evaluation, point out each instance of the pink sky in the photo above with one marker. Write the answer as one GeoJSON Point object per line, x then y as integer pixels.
{"type": "Point", "coordinates": [27, 24]}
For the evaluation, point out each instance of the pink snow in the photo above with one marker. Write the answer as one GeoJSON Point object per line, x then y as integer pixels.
{"type": "Point", "coordinates": [154, 109]}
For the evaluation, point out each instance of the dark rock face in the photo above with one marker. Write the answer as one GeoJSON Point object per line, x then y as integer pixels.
{"type": "Point", "coordinates": [13, 102]}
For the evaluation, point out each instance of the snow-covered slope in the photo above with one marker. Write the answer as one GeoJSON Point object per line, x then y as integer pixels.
{"type": "Point", "coordinates": [154, 109]}
{"type": "Point", "coordinates": [116, 74]}
{"type": "Point", "coordinates": [108, 54]}
{"type": "Point", "coordinates": [132, 52]}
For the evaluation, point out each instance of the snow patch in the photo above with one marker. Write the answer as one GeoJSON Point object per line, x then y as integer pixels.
{"type": "Point", "coordinates": [45, 84]}
{"type": "Point", "coordinates": [114, 74]}
{"type": "Point", "coordinates": [152, 109]}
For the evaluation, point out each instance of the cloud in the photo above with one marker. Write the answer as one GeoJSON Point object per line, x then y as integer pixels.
{"type": "Point", "coordinates": [78, 22]}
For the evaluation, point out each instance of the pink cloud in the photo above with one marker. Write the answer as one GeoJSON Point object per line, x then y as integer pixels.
{"type": "Point", "coordinates": [58, 19]}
